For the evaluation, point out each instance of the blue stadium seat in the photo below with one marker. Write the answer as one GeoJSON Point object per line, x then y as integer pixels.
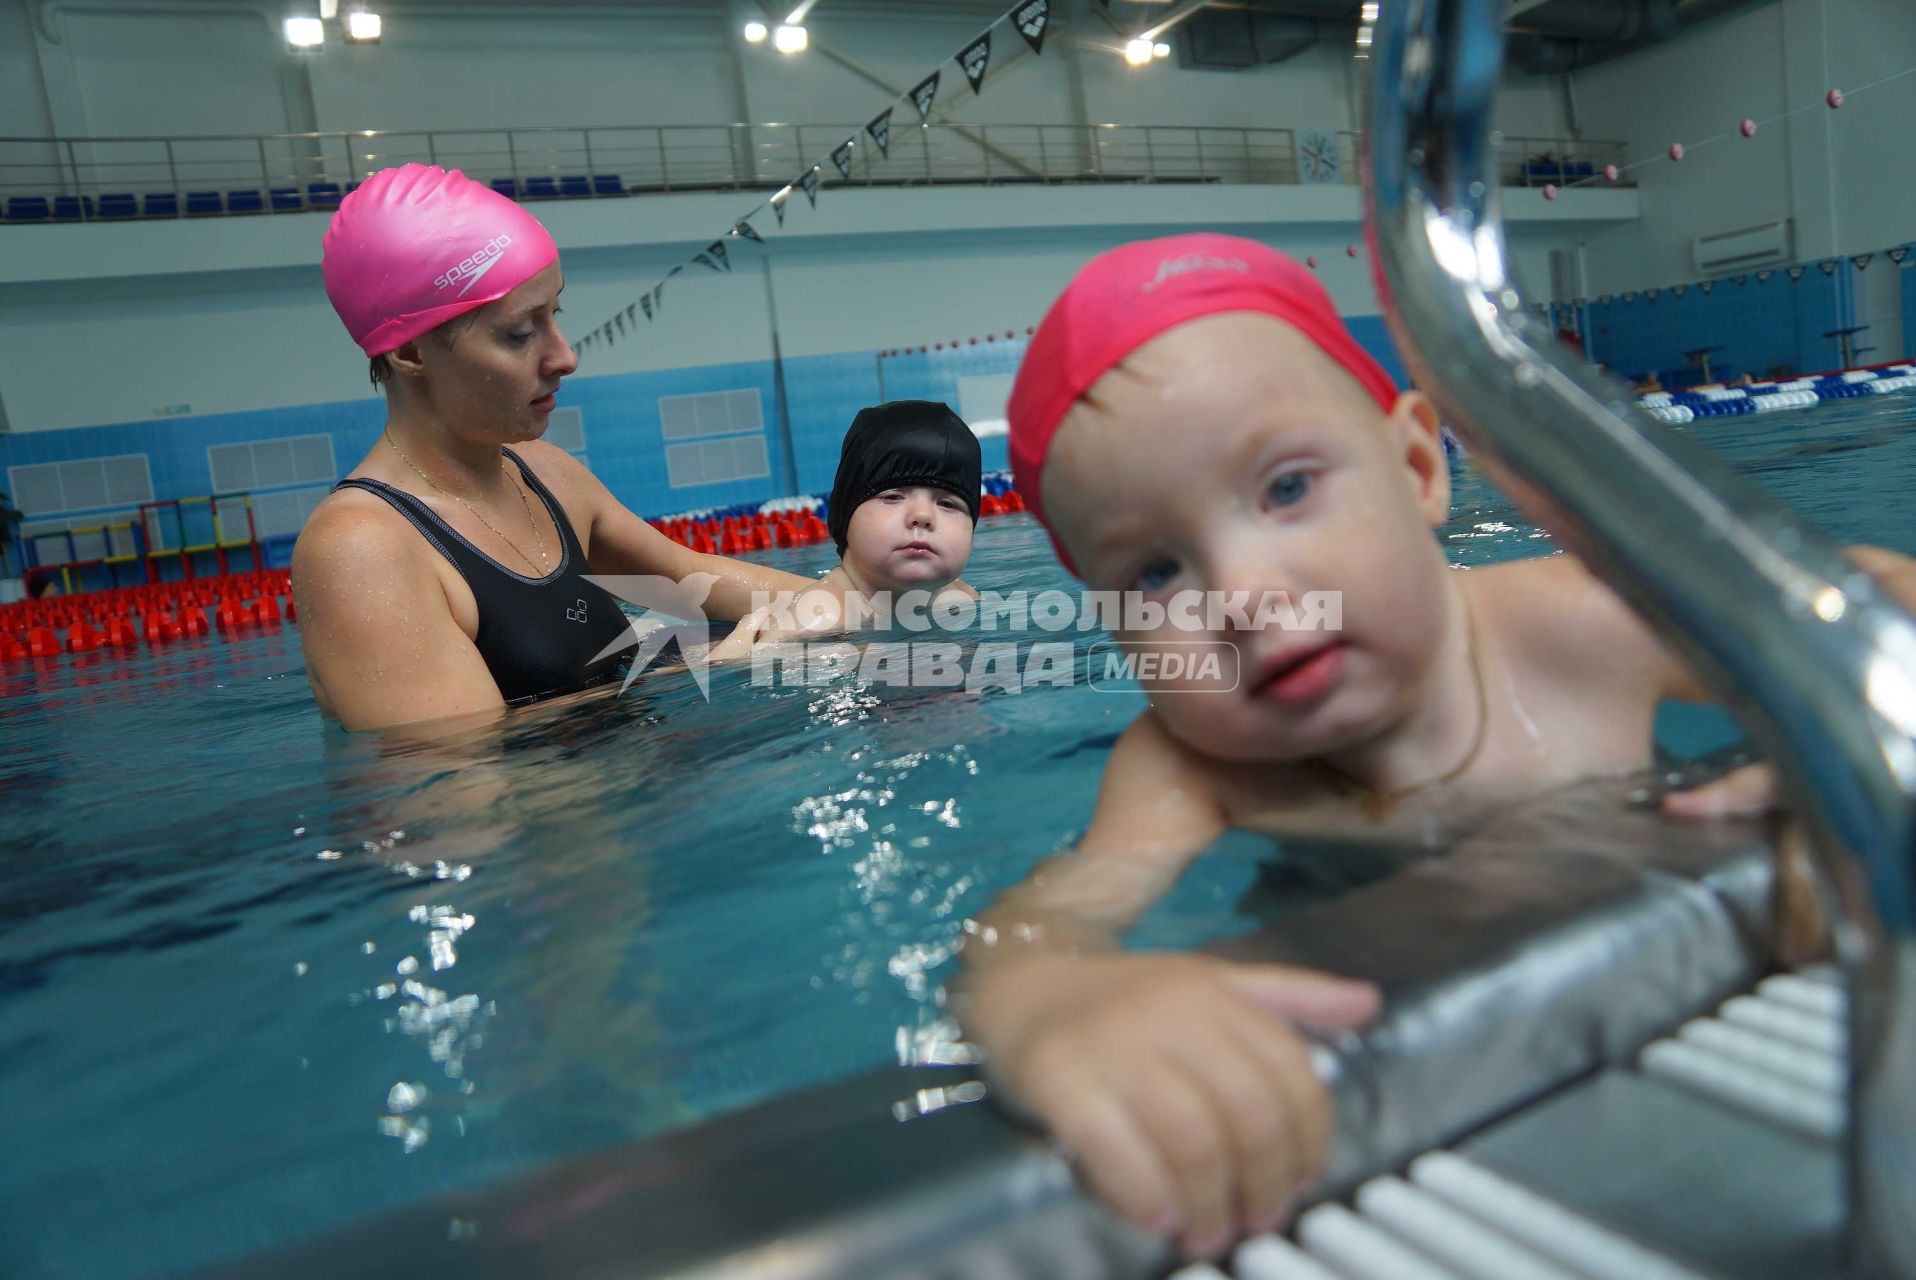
{"type": "Point", "coordinates": [572, 186]}
{"type": "Point", "coordinates": [244, 202]}
{"type": "Point", "coordinates": [27, 209]}
{"type": "Point", "coordinates": [162, 204]}
{"type": "Point", "coordinates": [542, 189]}
{"type": "Point", "coordinates": [285, 198]}
{"type": "Point", "coordinates": [119, 204]}
{"type": "Point", "coordinates": [323, 195]}
{"type": "Point", "coordinates": [507, 187]}
{"type": "Point", "coordinates": [199, 203]}
{"type": "Point", "coordinates": [72, 208]}
{"type": "Point", "coordinates": [607, 184]}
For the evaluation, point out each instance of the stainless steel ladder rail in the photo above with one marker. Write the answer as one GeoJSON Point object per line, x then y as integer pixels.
{"type": "Point", "coordinates": [1819, 666]}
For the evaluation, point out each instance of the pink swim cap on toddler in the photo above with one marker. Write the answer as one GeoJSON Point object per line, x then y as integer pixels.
{"type": "Point", "coordinates": [1124, 298]}
{"type": "Point", "coordinates": [417, 245]}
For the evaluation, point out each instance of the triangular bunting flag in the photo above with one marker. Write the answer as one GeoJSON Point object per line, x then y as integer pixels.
{"type": "Point", "coordinates": [1630, 296]}
{"type": "Point", "coordinates": [1794, 273]}
{"type": "Point", "coordinates": [1763, 276]}
{"type": "Point", "coordinates": [630, 307]}
{"type": "Point", "coordinates": [658, 297]}
{"type": "Point", "coordinates": [706, 259]}
{"type": "Point", "coordinates": [1650, 295]}
{"type": "Point", "coordinates": [1738, 279]}
{"type": "Point", "coordinates": [674, 271]}
{"type": "Point", "coordinates": [809, 185]}
{"type": "Point", "coordinates": [842, 158]}
{"type": "Point", "coordinates": [1679, 289]}
{"type": "Point", "coordinates": [716, 251]}
{"type": "Point", "coordinates": [620, 321]}
{"type": "Point", "coordinates": [974, 58]}
{"type": "Point", "coordinates": [1706, 285]}
{"type": "Point", "coordinates": [1897, 255]}
{"type": "Point", "coordinates": [1031, 19]}
{"type": "Point", "coordinates": [645, 305]}
{"type": "Point", "coordinates": [1828, 265]}
{"type": "Point", "coordinates": [778, 207]}
{"type": "Point", "coordinates": [922, 95]}
{"type": "Point", "coordinates": [1861, 261]}
{"type": "Point", "coordinates": [744, 231]}
{"type": "Point", "coordinates": [880, 131]}
{"type": "Point", "coordinates": [1605, 298]}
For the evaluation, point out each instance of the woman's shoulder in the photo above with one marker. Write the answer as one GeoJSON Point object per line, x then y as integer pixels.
{"type": "Point", "coordinates": [352, 530]}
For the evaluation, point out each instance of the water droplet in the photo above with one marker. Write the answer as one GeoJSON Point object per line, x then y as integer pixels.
{"type": "Point", "coordinates": [299, 969]}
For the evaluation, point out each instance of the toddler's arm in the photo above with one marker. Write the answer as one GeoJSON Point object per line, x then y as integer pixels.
{"type": "Point", "coordinates": [1187, 1098]}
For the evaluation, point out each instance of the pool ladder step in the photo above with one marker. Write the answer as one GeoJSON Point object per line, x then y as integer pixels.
{"type": "Point", "coordinates": [1776, 1054]}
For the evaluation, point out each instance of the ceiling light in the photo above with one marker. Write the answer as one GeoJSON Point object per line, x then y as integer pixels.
{"type": "Point", "coordinates": [755, 33]}
{"type": "Point", "coordinates": [305, 33]}
{"type": "Point", "coordinates": [1160, 50]}
{"type": "Point", "coordinates": [1369, 13]}
{"type": "Point", "coordinates": [790, 39]}
{"type": "Point", "coordinates": [1363, 37]}
{"type": "Point", "coordinates": [363, 27]}
{"type": "Point", "coordinates": [1138, 52]}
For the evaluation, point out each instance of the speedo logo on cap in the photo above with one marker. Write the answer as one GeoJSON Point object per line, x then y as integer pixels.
{"type": "Point", "coordinates": [470, 269]}
{"type": "Point", "coordinates": [1171, 268]}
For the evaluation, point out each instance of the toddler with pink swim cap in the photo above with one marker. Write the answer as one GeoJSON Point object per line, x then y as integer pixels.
{"type": "Point", "coordinates": [1196, 429]}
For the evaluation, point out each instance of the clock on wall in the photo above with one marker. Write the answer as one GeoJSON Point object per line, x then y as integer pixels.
{"type": "Point", "coordinates": [1317, 157]}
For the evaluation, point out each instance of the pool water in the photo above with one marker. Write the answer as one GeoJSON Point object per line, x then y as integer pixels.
{"type": "Point", "coordinates": [259, 978]}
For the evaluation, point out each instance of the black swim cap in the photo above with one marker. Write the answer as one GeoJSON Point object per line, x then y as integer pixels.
{"type": "Point", "coordinates": [898, 445]}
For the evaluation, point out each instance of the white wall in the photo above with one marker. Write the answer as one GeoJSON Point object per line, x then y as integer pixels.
{"type": "Point", "coordinates": [1841, 177]}
{"type": "Point", "coordinates": [105, 323]}
{"type": "Point", "coordinates": [156, 67]}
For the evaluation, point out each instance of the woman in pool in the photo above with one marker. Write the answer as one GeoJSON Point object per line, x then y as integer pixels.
{"type": "Point", "coordinates": [447, 574]}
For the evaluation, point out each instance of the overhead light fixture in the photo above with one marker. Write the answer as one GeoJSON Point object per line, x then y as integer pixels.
{"type": "Point", "coordinates": [1369, 13]}
{"type": "Point", "coordinates": [790, 39]}
{"type": "Point", "coordinates": [1160, 50]}
{"type": "Point", "coordinates": [305, 33]}
{"type": "Point", "coordinates": [1363, 37]}
{"type": "Point", "coordinates": [1138, 52]}
{"type": "Point", "coordinates": [363, 27]}
{"type": "Point", "coordinates": [328, 10]}
{"type": "Point", "coordinates": [755, 33]}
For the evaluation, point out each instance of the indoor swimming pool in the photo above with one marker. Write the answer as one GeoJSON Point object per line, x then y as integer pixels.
{"type": "Point", "coordinates": [260, 979]}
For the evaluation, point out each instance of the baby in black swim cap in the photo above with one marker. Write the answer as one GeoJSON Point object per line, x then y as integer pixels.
{"type": "Point", "coordinates": [902, 512]}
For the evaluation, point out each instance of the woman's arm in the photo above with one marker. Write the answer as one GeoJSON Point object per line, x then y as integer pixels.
{"type": "Point", "coordinates": [382, 646]}
{"type": "Point", "coordinates": [618, 543]}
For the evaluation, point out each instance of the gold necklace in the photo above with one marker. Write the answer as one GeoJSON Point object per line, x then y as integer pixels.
{"type": "Point", "coordinates": [1378, 802]}
{"type": "Point", "coordinates": [543, 564]}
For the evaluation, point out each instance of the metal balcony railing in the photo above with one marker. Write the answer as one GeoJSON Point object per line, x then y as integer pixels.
{"type": "Point", "coordinates": [88, 179]}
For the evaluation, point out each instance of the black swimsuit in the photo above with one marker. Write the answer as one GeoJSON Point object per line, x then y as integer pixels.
{"type": "Point", "coordinates": [538, 636]}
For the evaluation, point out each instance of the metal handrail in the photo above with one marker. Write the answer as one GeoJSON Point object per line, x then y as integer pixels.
{"type": "Point", "coordinates": [279, 172]}
{"type": "Point", "coordinates": [1819, 664]}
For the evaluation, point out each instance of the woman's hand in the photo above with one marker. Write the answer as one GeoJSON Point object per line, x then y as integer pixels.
{"type": "Point", "coordinates": [1177, 1081]}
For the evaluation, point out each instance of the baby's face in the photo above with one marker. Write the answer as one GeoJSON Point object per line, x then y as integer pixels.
{"type": "Point", "coordinates": [1230, 456]}
{"type": "Point", "coordinates": [915, 537]}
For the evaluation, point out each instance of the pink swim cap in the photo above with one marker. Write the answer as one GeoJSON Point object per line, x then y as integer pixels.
{"type": "Point", "coordinates": [417, 245]}
{"type": "Point", "coordinates": [1124, 298]}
